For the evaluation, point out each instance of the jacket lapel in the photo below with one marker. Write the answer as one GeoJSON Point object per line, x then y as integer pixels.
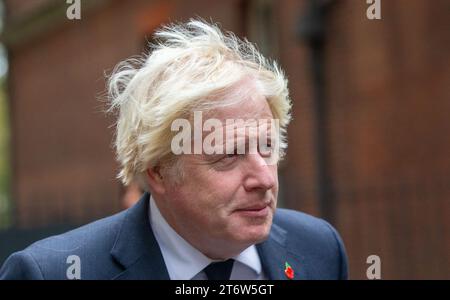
{"type": "Point", "coordinates": [274, 255]}
{"type": "Point", "coordinates": [136, 248]}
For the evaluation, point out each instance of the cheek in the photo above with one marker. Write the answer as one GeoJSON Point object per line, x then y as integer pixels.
{"type": "Point", "coordinates": [219, 187]}
{"type": "Point", "coordinates": [209, 201]}
{"type": "Point", "coordinates": [197, 197]}
{"type": "Point", "coordinates": [227, 193]}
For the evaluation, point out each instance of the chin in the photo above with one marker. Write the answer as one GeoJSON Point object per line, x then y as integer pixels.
{"type": "Point", "coordinates": [254, 235]}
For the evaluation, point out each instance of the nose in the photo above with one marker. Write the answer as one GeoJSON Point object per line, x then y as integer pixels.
{"type": "Point", "coordinates": [260, 175]}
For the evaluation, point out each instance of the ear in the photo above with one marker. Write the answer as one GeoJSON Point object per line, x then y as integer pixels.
{"type": "Point", "coordinates": [155, 180]}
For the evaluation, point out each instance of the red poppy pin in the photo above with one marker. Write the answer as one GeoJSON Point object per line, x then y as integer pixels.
{"type": "Point", "coordinates": [288, 271]}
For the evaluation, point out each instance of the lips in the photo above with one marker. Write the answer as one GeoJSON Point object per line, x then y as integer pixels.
{"type": "Point", "coordinates": [255, 207]}
{"type": "Point", "coordinates": [258, 210]}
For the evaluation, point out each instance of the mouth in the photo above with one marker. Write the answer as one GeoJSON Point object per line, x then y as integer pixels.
{"type": "Point", "coordinates": [255, 211]}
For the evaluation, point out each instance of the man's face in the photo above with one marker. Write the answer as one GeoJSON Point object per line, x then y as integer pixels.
{"type": "Point", "coordinates": [225, 200]}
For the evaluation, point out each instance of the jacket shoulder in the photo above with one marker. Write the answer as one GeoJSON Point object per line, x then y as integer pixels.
{"type": "Point", "coordinates": [50, 258]}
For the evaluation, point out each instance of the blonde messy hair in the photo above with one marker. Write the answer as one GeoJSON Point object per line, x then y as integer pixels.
{"type": "Point", "coordinates": [189, 64]}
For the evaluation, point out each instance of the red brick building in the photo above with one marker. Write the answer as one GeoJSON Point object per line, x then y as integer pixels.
{"type": "Point", "coordinates": [373, 157]}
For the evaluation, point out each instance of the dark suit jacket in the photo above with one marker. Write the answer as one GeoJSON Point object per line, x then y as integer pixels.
{"type": "Point", "coordinates": [123, 247]}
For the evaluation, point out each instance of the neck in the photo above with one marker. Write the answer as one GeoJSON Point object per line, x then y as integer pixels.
{"type": "Point", "coordinates": [224, 253]}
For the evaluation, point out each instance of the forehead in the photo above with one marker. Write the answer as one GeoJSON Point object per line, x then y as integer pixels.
{"type": "Point", "coordinates": [247, 108]}
{"type": "Point", "coordinates": [250, 105]}
{"type": "Point", "coordinates": [255, 108]}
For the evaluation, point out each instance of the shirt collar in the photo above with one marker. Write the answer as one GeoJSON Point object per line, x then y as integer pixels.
{"type": "Point", "coordinates": [250, 258]}
{"type": "Point", "coordinates": [182, 260]}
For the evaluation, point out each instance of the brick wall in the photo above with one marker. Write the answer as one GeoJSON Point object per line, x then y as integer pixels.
{"type": "Point", "coordinates": [386, 93]}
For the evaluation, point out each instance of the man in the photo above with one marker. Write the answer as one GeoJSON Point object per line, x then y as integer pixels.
{"type": "Point", "coordinates": [201, 127]}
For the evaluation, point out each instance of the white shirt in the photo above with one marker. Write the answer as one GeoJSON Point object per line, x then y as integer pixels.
{"type": "Point", "coordinates": [185, 262]}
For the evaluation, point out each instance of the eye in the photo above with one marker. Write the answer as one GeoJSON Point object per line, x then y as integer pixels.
{"type": "Point", "coordinates": [230, 157]}
{"type": "Point", "coordinates": [266, 149]}
{"type": "Point", "coordinates": [229, 154]}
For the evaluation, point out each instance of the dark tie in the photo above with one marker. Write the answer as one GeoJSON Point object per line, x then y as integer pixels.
{"type": "Point", "coordinates": [219, 270]}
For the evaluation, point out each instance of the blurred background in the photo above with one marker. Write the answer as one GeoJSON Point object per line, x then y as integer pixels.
{"type": "Point", "coordinates": [369, 146]}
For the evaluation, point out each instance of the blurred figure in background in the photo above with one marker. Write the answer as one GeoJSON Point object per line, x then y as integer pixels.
{"type": "Point", "coordinates": [132, 194]}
